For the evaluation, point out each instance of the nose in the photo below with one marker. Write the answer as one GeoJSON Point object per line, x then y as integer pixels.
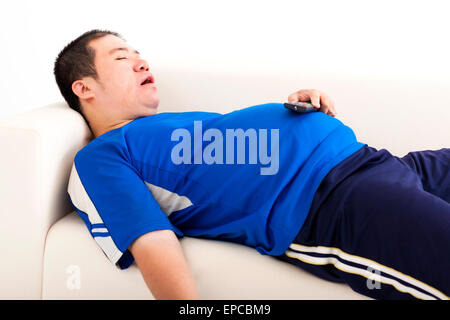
{"type": "Point", "coordinates": [141, 65]}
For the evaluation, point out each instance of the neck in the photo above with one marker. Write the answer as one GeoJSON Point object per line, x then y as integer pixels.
{"type": "Point", "coordinates": [98, 130]}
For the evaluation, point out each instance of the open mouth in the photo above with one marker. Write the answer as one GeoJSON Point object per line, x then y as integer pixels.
{"type": "Point", "coordinates": [147, 80]}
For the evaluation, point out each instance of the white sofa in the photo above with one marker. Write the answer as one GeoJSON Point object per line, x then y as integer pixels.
{"type": "Point", "coordinates": [47, 252]}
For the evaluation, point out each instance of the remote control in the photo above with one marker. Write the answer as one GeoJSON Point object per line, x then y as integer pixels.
{"type": "Point", "coordinates": [301, 107]}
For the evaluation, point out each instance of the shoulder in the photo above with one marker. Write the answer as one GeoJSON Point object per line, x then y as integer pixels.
{"type": "Point", "coordinates": [111, 145]}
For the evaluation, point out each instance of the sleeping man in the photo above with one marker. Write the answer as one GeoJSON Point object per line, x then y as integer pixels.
{"type": "Point", "coordinates": [298, 187]}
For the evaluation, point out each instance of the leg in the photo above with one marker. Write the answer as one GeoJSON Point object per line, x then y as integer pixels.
{"type": "Point", "coordinates": [381, 233]}
{"type": "Point", "coordinates": [433, 168]}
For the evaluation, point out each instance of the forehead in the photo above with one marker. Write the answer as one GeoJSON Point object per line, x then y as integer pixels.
{"type": "Point", "coordinates": [104, 45]}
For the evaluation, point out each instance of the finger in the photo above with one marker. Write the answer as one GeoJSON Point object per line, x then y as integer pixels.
{"type": "Point", "coordinates": [303, 96]}
{"type": "Point", "coordinates": [333, 113]}
{"type": "Point", "coordinates": [330, 112]}
{"type": "Point", "coordinates": [293, 97]}
{"type": "Point", "coordinates": [299, 96]}
{"type": "Point", "coordinates": [314, 97]}
{"type": "Point", "coordinates": [329, 104]}
{"type": "Point", "coordinates": [333, 110]}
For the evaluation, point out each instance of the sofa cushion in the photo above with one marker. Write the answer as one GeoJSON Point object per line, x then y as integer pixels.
{"type": "Point", "coordinates": [76, 268]}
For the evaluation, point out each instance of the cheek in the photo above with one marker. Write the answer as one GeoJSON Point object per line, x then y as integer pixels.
{"type": "Point", "coordinates": [126, 89]}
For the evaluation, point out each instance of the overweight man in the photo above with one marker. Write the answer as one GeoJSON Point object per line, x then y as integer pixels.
{"type": "Point", "coordinates": [298, 187]}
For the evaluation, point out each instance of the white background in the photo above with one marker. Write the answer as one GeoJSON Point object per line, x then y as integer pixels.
{"type": "Point", "coordinates": [387, 38]}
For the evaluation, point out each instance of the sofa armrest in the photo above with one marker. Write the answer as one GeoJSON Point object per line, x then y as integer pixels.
{"type": "Point", "coordinates": [37, 150]}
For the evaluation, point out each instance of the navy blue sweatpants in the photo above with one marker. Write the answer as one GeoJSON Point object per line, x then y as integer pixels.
{"type": "Point", "coordinates": [381, 224]}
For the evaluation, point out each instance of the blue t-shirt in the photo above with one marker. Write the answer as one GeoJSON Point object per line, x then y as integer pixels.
{"type": "Point", "coordinates": [248, 176]}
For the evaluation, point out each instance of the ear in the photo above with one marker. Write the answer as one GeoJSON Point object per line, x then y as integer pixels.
{"type": "Point", "coordinates": [83, 89]}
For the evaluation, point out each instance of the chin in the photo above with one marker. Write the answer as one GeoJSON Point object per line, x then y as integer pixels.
{"type": "Point", "coordinates": [151, 108]}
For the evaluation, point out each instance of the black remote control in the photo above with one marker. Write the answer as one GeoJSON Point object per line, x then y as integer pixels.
{"type": "Point", "coordinates": [301, 107]}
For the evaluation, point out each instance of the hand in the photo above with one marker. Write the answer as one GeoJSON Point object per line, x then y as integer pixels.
{"type": "Point", "coordinates": [317, 98]}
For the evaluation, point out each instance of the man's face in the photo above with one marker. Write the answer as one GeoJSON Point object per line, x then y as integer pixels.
{"type": "Point", "coordinates": [121, 73]}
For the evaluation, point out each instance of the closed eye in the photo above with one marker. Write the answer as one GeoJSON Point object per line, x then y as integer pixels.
{"type": "Point", "coordinates": [121, 58]}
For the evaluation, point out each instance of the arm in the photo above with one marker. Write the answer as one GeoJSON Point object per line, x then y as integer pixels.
{"type": "Point", "coordinates": [159, 257]}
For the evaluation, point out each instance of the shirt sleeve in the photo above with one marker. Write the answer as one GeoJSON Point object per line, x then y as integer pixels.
{"type": "Point", "coordinates": [113, 200]}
